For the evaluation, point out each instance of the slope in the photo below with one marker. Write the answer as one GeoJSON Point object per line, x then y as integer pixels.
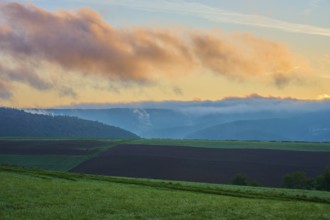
{"type": "Point", "coordinates": [306, 127]}
{"type": "Point", "coordinates": [33, 194]}
{"type": "Point", "coordinates": [17, 123]}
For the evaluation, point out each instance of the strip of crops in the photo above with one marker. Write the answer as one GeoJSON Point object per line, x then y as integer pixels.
{"type": "Point", "coordinates": [296, 146]}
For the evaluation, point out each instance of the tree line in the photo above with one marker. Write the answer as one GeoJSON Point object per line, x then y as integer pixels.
{"type": "Point", "coordinates": [299, 180]}
{"type": "Point", "coordinates": [295, 180]}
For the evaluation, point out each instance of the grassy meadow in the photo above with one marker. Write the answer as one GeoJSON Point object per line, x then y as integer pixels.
{"type": "Point", "coordinates": [295, 146]}
{"type": "Point", "coordinates": [49, 162]}
{"type": "Point", "coordinates": [37, 194]}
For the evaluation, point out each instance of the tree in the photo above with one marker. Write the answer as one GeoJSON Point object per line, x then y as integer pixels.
{"type": "Point", "coordinates": [323, 181]}
{"type": "Point", "coordinates": [254, 183]}
{"type": "Point", "coordinates": [296, 180]}
{"type": "Point", "coordinates": [239, 179]}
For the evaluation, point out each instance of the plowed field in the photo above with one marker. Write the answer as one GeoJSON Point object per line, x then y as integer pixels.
{"type": "Point", "coordinates": [211, 165]}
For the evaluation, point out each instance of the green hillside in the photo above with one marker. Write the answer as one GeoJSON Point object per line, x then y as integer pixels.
{"type": "Point", "coordinates": [35, 194]}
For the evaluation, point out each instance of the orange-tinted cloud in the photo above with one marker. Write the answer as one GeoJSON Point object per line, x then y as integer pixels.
{"type": "Point", "coordinates": [83, 42]}
{"type": "Point", "coordinates": [326, 58]}
{"type": "Point", "coordinates": [243, 55]}
{"type": "Point", "coordinates": [5, 89]}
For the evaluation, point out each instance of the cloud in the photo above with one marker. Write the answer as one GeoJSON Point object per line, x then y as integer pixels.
{"type": "Point", "coordinates": [323, 97]}
{"type": "Point", "coordinates": [67, 91]}
{"type": "Point", "coordinates": [247, 104]}
{"type": "Point", "coordinates": [4, 90]}
{"type": "Point", "coordinates": [313, 5]}
{"type": "Point", "coordinates": [22, 73]}
{"type": "Point", "coordinates": [281, 80]}
{"type": "Point", "coordinates": [82, 42]}
{"type": "Point", "coordinates": [25, 74]}
{"type": "Point", "coordinates": [326, 58]}
{"type": "Point", "coordinates": [219, 15]}
{"type": "Point", "coordinates": [143, 117]}
{"type": "Point", "coordinates": [38, 112]}
{"type": "Point", "coordinates": [177, 91]}
{"type": "Point", "coordinates": [243, 55]}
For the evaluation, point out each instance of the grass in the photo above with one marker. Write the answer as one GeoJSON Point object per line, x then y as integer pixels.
{"type": "Point", "coordinates": [295, 146]}
{"type": "Point", "coordinates": [37, 194]}
{"type": "Point", "coordinates": [49, 162]}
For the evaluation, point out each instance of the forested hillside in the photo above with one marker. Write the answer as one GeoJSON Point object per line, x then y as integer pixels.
{"type": "Point", "coordinates": [19, 123]}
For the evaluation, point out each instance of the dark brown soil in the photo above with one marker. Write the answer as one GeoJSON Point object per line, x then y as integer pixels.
{"type": "Point", "coordinates": [49, 147]}
{"type": "Point", "coordinates": [267, 167]}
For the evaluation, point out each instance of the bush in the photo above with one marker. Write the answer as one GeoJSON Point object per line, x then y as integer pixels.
{"type": "Point", "coordinates": [254, 183]}
{"type": "Point", "coordinates": [242, 180]}
{"type": "Point", "coordinates": [296, 180]}
{"type": "Point", "coordinates": [323, 181]}
{"type": "Point", "coordinates": [239, 179]}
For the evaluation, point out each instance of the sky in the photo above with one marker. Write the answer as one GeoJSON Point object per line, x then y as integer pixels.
{"type": "Point", "coordinates": [58, 53]}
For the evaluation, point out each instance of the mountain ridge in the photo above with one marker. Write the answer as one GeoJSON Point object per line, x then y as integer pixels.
{"type": "Point", "coordinates": [309, 127]}
{"type": "Point", "coordinates": [15, 122]}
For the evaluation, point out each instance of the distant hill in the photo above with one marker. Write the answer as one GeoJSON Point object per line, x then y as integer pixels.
{"type": "Point", "coordinates": [157, 123]}
{"type": "Point", "coordinates": [306, 127]}
{"type": "Point", "coordinates": [15, 122]}
{"type": "Point", "coordinates": [250, 118]}
{"type": "Point", "coordinates": [149, 123]}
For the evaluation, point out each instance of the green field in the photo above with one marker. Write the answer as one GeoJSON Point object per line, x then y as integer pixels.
{"type": "Point", "coordinates": [49, 162]}
{"type": "Point", "coordinates": [296, 146]}
{"type": "Point", "coordinates": [36, 194]}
